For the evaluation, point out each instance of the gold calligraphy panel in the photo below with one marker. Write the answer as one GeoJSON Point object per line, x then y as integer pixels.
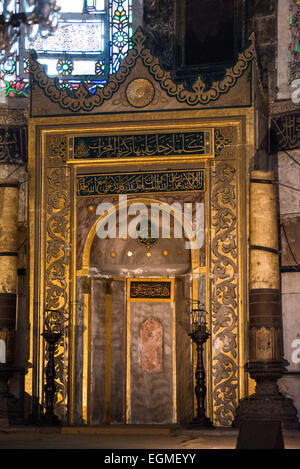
{"type": "Point", "coordinates": [149, 290]}
{"type": "Point", "coordinates": [104, 147]}
{"type": "Point", "coordinates": [140, 183]}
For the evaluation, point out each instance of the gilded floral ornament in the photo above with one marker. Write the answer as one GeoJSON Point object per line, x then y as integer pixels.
{"type": "Point", "coordinates": [83, 100]}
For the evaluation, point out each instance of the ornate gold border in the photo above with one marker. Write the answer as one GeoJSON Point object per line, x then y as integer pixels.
{"type": "Point", "coordinates": [61, 147]}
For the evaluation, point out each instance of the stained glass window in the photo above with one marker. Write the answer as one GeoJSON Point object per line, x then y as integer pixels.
{"type": "Point", "coordinates": [92, 37]}
{"type": "Point", "coordinates": [120, 20]}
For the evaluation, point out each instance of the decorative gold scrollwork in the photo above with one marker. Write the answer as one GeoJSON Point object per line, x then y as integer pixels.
{"type": "Point", "coordinates": [224, 294]}
{"type": "Point", "coordinates": [57, 146]}
{"type": "Point", "coordinates": [57, 271]}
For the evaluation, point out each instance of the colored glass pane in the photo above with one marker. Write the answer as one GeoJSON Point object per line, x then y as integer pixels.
{"type": "Point", "coordinates": [73, 37]}
{"type": "Point", "coordinates": [71, 6]}
{"type": "Point", "coordinates": [100, 68]}
{"type": "Point", "coordinates": [120, 31]}
{"type": "Point", "coordinates": [94, 5]}
{"type": "Point", "coordinates": [64, 67]}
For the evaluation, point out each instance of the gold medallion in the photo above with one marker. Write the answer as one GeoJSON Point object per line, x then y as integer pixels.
{"type": "Point", "coordinates": [140, 92]}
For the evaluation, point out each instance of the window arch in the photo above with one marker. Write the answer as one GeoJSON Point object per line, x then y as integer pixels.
{"type": "Point", "coordinates": [92, 37]}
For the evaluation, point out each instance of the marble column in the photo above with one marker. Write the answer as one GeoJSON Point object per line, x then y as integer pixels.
{"type": "Point", "coordinates": [9, 208]}
{"type": "Point", "coordinates": [265, 363]}
{"type": "Point", "coordinates": [265, 322]}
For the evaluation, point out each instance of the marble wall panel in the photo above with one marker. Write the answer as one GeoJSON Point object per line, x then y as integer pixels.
{"type": "Point", "coordinates": [118, 355]}
{"type": "Point", "coordinates": [184, 355]}
{"type": "Point", "coordinates": [151, 345]}
{"type": "Point", "coordinates": [79, 329]}
{"type": "Point", "coordinates": [98, 352]}
{"type": "Point", "coordinates": [151, 391]}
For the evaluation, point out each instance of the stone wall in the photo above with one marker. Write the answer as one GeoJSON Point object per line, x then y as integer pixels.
{"type": "Point", "coordinates": [159, 24]}
{"type": "Point", "coordinates": [289, 202]}
{"type": "Point", "coordinates": [289, 385]}
{"type": "Point", "coordinates": [263, 21]}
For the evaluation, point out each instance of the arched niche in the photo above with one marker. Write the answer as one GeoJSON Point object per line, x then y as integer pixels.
{"type": "Point", "coordinates": [133, 345]}
{"type": "Point", "coordinates": [128, 257]}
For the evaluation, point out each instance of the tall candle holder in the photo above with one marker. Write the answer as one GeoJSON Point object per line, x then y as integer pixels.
{"type": "Point", "coordinates": [52, 334]}
{"type": "Point", "coordinates": [199, 335]}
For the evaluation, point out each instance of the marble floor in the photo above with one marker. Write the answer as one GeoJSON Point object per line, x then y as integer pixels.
{"type": "Point", "coordinates": [115, 437]}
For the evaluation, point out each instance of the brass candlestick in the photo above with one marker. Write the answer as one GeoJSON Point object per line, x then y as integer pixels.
{"type": "Point", "coordinates": [199, 336]}
{"type": "Point", "coordinates": [52, 334]}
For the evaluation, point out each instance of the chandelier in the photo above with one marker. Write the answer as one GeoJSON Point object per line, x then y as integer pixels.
{"type": "Point", "coordinates": [32, 16]}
